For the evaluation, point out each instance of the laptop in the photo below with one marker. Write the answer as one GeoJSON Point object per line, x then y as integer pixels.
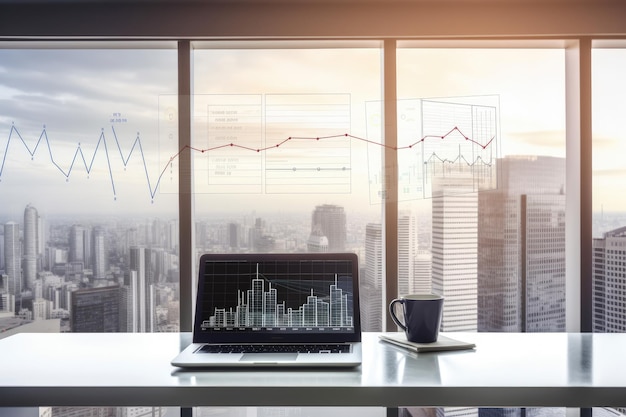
{"type": "Point", "coordinates": [279, 310]}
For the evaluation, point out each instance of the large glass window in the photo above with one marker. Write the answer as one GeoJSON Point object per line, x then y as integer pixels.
{"type": "Point", "coordinates": [282, 158]}
{"type": "Point", "coordinates": [286, 150]}
{"type": "Point", "coordinates": [481, 160]}
{"type": "Point", "coordinates": [483, 183]}
{"type": "Point", "coordinates": [89, 212]}
{"type": "Point", "coordinates": [609, 209]}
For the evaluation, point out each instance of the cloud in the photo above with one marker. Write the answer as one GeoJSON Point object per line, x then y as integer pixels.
{"type": "Point", "coordinates": [55, 102]}
{"type": "Point", "coordinates": [548, 142]}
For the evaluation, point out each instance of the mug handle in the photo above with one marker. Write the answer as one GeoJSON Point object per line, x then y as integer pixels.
{"type": "Point", "coordinates": [392, 312]}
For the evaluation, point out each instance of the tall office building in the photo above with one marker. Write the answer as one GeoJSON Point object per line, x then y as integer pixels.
{"type": "Point", "coordinates": [317, 243]}
{"type": "Point", "coordinates": [371, 282]}
{"type": "Point", "coordinates": [234, 235]}
{"type": "Point", "coordinates": [454, 249]}
{"type": "Point", "coordinates": [12, 258]}
{"type": "Point", "coordinates": [31, 244]}
{"type": "Point", "coordinates": [330, 221]}
{"type": "Point", "coordinates": [142, 289]}
{"type": "Point", "coordinates": [2, 249]}
{"type": "Point", "coordinates": [95, 310]}
{"type": "Point", "coordinates": [609, 282]}
{"type": "Point", "coordinates": [76, 251]}
{"type": "Point", "coordinates": [88, 248]}
{"type": "Point", "coordinates": [407, 252]}
{"type": "Point", "coordinates": [521, 241]}
{"type": "Point", "coordinates": [422, 281]}
{"type": "Point", "coordinates": [7, 301]}
{"type": "Point", "coordinates": [99, 254]}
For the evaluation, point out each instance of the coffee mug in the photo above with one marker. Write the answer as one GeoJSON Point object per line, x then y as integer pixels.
{"type": "Point", "coordinates": [422, 316]}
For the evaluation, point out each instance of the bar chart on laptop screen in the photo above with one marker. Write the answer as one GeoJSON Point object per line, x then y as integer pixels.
{"type": "Point", "coordinates": [290, 296]}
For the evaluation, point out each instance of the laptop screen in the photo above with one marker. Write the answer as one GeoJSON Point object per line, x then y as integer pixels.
{"type": "Point", "coordinates": [306, 297]}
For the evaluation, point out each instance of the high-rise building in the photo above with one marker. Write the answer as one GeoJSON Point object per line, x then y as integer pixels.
{"type": "Point", "coordinates": [99, 254]}
{"type": "Point", "coordinates": [371, 282]}
{"type": "Point", "coordinates": [31, 245]}
{"type": "Point", "coordinates": [422, 281]}
{"type": "Point", "coordinates": [142, 289]}
{"type": "Point", "coordinates": [454, 246]}
{"type": "Point", "coordinates": [88, 249]}
{"type": "Point", "coordinates": [12, 258]}
{"type": "Point", "coordinates": [317, 243]}
{"type": "Point", "coordinates": [7, 301]}
{"type": "Point", "coordinates": [234, 238]}
{"type": "Point", "coordinates": [77, 244]}
{"type": "Point", "coordinates": [609, 282]}
{"type": "Point", "coordinates": [521, 241]}
{"type": "Point", "coordinates": [330, 220]}
{"type": "Point", "coordinates": [95, 310]}
{"type": "Point", "coordinates": [407, 250]}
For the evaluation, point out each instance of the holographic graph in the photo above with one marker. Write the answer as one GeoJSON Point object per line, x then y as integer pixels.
{"type": "Point", "coordinates": [457, 137]}
{"type": "Point", "coordinates": [87, 161]}
{"type": "Point", "coordinates": [265, 142]}
{"type": "Point", "coordinates": [293, 144]}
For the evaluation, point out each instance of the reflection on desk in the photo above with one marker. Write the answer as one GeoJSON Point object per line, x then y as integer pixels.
{"type": "Point", "coordinates": [505, 370]}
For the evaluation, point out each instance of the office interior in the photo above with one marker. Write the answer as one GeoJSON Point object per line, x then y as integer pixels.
{"type": "Point", "coordinates": [199, 33]}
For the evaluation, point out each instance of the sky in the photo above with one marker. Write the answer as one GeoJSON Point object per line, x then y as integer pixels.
{"type": "Point", "coordinates": [118, 108]}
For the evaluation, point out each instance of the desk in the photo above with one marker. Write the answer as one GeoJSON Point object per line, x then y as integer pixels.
{"type": "Point", "coordinates": [505, 370]}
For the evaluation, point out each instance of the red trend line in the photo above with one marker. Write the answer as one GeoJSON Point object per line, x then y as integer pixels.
{"type": "Point", "coordinates": [137, 143]}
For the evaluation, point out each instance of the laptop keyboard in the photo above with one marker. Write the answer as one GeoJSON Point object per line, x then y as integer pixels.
{"type": "Point", "coordinates": [287, 348]}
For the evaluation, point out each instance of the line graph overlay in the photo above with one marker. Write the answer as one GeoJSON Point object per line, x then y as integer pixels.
{"type": "Point", "coordinates": [168, 140]}
{"type": "Point", "coordinates": [458, 137]}
{"type": "Point", "coordinates": [234, 131]}
{"type": "Point", "coordinates": [303, 166]}
{"type": "Point", "coordinates": [103, 155]}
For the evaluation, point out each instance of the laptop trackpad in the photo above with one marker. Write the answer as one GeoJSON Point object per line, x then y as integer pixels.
{"type": "Point", "coordinates": [268, 357]}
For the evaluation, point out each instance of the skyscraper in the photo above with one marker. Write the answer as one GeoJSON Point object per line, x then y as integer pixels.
{"type": "Point", "coordinates": [234, 235]}
{"type": "Point", "coordinates": [31, 237]}
{"type": "Point", "coordinates": [330, 221]}
{"type": "Point", "coordinates": [407, 251]}
{"type": "Point", "coordinates": [99, 254]}
{"type": "Point", "coordinates": [422, 281]}
{"type": "Point", "coordinates": [521, 241]}
{"type": "Point", "coordinates": [95, 310]}
{"type": "Point", "coordinates": [142, 289]}
{"type": "Point", "coordinates": [371, 282]}
{"type": "Point", "coordinates": [12, 258]}
{"type": "Point", "coordinates": [317, 243]}
{"type": "Point", "coordinates": [454, 246]}
{"type": "Point", "coordinates": [609, 282]}
{"type": "Point", "coordinates": [77, 244]}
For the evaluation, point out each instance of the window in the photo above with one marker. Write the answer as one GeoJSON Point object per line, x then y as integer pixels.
{"type": "Point", "coordinates": [300, 176]}
{"type": "Point", "coordinates": [89, 208]}
{"type": "Point", "coordinates": [608, 59]}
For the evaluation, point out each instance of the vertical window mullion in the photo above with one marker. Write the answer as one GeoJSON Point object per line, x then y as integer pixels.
{"type": "Point", "coordinates": [187, 260]}
{"type": "Point", "coordinates": [390, 168]}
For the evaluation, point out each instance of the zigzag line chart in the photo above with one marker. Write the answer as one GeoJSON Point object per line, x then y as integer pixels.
{"type": "Point", "coordinates": [81, 159]}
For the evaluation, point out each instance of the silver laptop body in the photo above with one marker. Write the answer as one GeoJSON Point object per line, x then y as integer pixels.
{"type": "Point", "coordinates": [296, 310]}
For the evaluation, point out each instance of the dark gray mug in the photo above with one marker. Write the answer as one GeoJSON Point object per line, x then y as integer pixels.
{"type": "Point", "coordinates": [422, 316]}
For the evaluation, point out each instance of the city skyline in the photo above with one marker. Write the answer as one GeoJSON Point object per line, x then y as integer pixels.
{"type": "Point", "coordinates": [144, 260]}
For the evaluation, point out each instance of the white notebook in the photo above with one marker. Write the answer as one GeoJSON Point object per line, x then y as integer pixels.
{"type": "Point", "coordinates": [443, 343]}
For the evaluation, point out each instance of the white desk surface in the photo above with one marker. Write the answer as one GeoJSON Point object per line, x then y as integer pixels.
{"type": "Point", "coordinates": [505, 370]}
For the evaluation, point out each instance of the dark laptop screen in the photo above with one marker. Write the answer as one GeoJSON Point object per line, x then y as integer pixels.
{"type": "Point", "coordinates": [285, 297]}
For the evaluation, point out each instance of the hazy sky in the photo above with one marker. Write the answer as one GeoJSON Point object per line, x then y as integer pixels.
{"type": "Point", "coordinates": [81, 99]}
